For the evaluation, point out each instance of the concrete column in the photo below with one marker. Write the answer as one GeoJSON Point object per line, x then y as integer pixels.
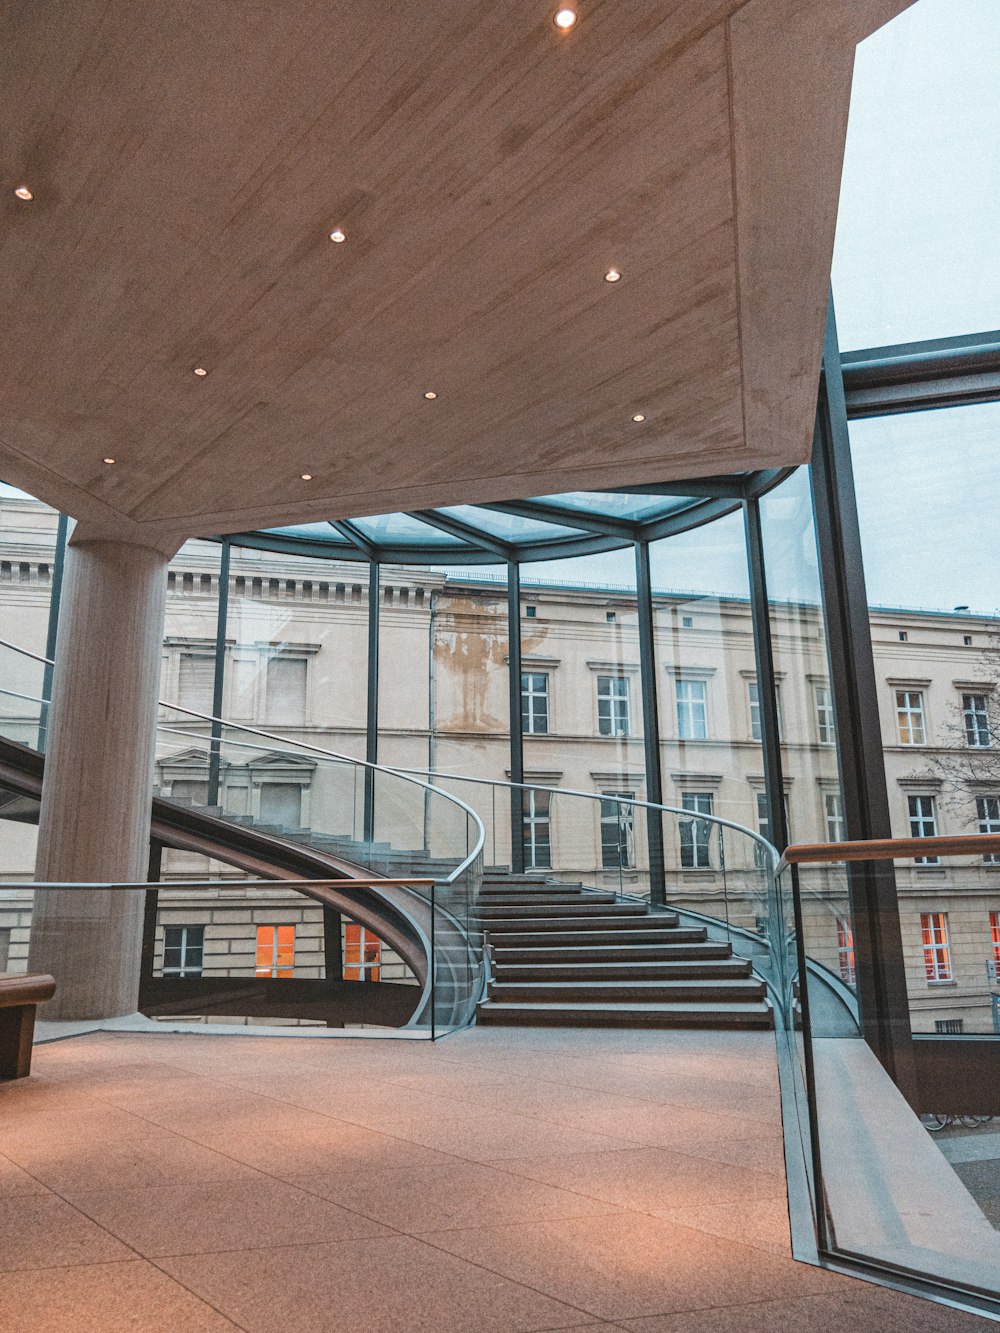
{"type": "Point", "coordinates": [96, 798]}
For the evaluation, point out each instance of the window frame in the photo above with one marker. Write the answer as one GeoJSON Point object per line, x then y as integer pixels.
{"type": "Point", "coordinates": [693, 709]}
{"type": "Point", "coordinates": [906, 709]}
{"type": "Point", "coordinates": [282, 964]}
{"type": "Point", "coordinates": [936, 945]}
{"type": "Point", "coordinates": [532, 821]}
{"type": "Point", "coordinates": [529, 695]}
{"type": "Point", "coordinates": [695, 842]}
{"type": "Point", "coordinates": [976, 721]}
{"type": "Point", "coordinates": [612, 720]}
{"type": "Point", "coordinates": [184, 946]}
{"type": "Point", "coordinates": [621, 818]}
{"type": "Point", "coordinates": [988, 820]}
{"type": "Point", "coordinates": [924, 820]}
{"type": "Point", "coordinates": [829, 726]}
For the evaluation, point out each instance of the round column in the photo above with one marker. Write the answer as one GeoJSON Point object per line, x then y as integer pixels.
{"type": "Point", "coordinates": [97, 793]}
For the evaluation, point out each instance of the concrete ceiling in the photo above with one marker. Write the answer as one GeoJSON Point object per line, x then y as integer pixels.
{"type": "Point", "coordinates": [188, 162]}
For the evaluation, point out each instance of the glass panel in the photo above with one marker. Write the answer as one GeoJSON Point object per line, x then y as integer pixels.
{"type": "Point", "coordinates": [510, 527]}
{"type": "Point", "coordinates": [916, 254]}
{"type": "Point", "coordinates": [387, 529]}
{"type": "Point", "coordinates": [634, 507]}
{"type": "Point", "coordinates": [936, 645]}
{"type": "Point", "coordinates": [801, 665]}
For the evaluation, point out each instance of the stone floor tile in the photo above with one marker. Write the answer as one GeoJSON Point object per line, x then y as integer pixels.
{"type": "Point", "coordinates": [103, 1298]}
{"type": "Point", "coordinates": [437, 1198]}
{"type": "Point", "coordinates": [334, 1146]}
{"type": "Point", "coordinates": [650, 1180]}
{"type": "Point", "coordinates": [762, 1223]}
{"type": "Point", "coordinates": [221, 1215]}
{"type": "Point", "coordinates": [15, 1181]}
{"type": "Point", "coordinates": [156, 1160]}
{"type": "Point", "coordinates": [819, 1314]}
{"type": "Point", "coordinates": [630, 1264]}
{"type": "Point", "coordinates": [395, 1284]}
{"type": "Point", "coordinates": [42, 1231]}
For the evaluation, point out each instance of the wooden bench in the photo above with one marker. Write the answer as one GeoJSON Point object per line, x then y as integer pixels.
{"type": "Point", "coordinates": [19, 997]}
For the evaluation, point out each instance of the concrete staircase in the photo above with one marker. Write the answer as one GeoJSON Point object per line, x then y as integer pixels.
{"type": "Point", "coordinates": [563, 954]}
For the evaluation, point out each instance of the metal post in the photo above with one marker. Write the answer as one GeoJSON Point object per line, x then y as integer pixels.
{"type": "Point", "coordinates": [516, 721]}
{"type": "Point", "coordinates": [219, 682]}
{"type": "Point", "coordinates": [58, 563]}
{"type": "Point", "coordinates": [151, 903]}
{"type": "Point", "coordinates": [333, 952]}
{"type": "Point", "coordinates": [651, 723]}
{"type": "Point", "coordinates": [881, 977]}
{"type": "Point", "coordinates": [767, 694]}
{"type": "Point", "coordinates": [371, 726]}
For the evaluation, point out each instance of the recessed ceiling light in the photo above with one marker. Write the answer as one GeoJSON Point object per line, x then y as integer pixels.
{"type": "Point", "coordinates": [612, 275]}
{"type": "Point", "coordinates": [639, 417]}
{"type": "Point", "coordinates": [108, 460]}
{"type": "Point", "coordinates": [338, 236]}
{"type": "Point", "coordinates": [430, 394]}
{"type": "Point", "coordinates": [200, 371]}
{"type": "Point", "coordinates": [307, 476]}
{"type": "Point", "coordinates": [564, 18]}
{"type": "Point", "coordinates": [23, 192]}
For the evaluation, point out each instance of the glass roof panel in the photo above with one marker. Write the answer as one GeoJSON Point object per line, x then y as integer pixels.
{"type": "Point", "coordinates": [509, 527]}
{"type": "Point", "coordinates": [916, 254]}
{"type": "Point", "coordinates": [315, 532]}
{"type": "Point", "coordinates": [637, 508]}
{"type": "Point", "coordinates": [401, 529]}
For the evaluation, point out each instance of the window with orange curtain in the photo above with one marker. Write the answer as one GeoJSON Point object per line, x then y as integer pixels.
{"type": "Point", "coordinates": [362, 953]}
{"type": "Point", "coordinates": [275, 951]}
{"type": "Point", "coordinates": [995, 936]}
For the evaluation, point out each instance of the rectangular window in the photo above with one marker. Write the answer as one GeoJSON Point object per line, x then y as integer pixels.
{"type": "Point", "coordinates": [362, 953]}
{"type": "Point", "coordinates": [824, 715]}
{"type": "Point", "coordinates": [910, 717]}
{"type": "Point", "coordinates": [275, 951]}
{"type": "Point", "coordinates": [937, 950]}
{"type": "Point", "coordinates": [617, 831]}
{"type": "Point", "coordinates": [535, 703]}
{"type": "Point", "coordinates": [977, 720]}
{"type": "Point", "coordinates": [756, 729]}
{"type": "Point", "coordinates": [692, 711]}
{"type": "Point", "coordinates": [612, 706]}
{"type": "Point", "coordinates": [183, 951]}
{"type": "Point", "coordinates": [845, 951]}
{"type": "Point", "coordinates": [949, 1027]}
{"type": "Point", "coordinates": [923, 824]}
{"type": "Point", "coordinates": [834, 809]}
{"type": "Point", "coordinates": [243, 688]}
{"type": "Point", "coordinates": [286, 690]}
{"type": "Point", "coordinates": [197, 682]}
{"type": "Point", "coordinates": [536, 829]}
{"type": "Point", "coordinates": [988, 814]}
{"type": "Point", "coordinates": [696, 833]}
{"type": "Point", "coordinates": [995, 938]}
{"type": "Point", "coordinates": [5, 934]}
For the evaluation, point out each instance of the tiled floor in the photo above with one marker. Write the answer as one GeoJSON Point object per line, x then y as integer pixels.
{"type": "Point", "coordinates": [495, 1181]}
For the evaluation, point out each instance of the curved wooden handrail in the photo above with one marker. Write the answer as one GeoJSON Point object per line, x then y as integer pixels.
{"type": "Point", "coordinates": [26, 988]}
{"type": "Point", "coordinates": [890, 849]}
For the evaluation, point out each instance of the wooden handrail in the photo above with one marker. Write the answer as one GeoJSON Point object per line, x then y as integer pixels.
{"type": "Point", "coordinates": [891, 849]}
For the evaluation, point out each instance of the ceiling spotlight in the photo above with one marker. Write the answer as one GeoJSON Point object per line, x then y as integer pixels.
{"type": "Point", "coordinates": [639, 417]}
{"type": "Point", "coordinates": [338, 236]}
{"type": "Point", "coordinates": [108, 460]}
{"type": "Point", "coordinates": [23, 192]}
{"type": "Point", "coordinates": [307, 476]}
{"type": "Point", "coordinates": [564, 19]}
{"type": "Point", "coordinates": [200, 371]}
{"type": "Point", "coordinates": [612, 275]}
{"type": "Point", "coordinates": [430, 394]}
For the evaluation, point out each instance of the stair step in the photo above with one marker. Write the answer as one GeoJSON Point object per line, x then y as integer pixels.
{"type": "Point", "coordinates": [590, 922]}
{"type": "Point", "coordinates": [491, 891]}
{"type": "Point", "coordinates": [594, 933]}
{"type": "Point", "coordinates": [610, 953]}
{"type": "Point", "coordinates": [594, 992]}
{"type": "Point", "coordinates": [488, 905]}
{"type": "Point", "coordinates": [678, 1015]}
{"type": "Point", "coordinates": [571, 909]}
{"type": "Point", "coordinates": [631, 970]}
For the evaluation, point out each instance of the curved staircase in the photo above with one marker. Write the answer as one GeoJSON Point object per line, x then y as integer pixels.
{"type": "Point", "coordinates": [564, 954]}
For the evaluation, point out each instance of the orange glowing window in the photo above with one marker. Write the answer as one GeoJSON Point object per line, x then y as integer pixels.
{"type": "Point", "coordinates": [937, 949]}
{"type": "Point", "coordinates": [275, 951]}
{"type": "Point", "coordinates": [362, 954]}
{"type": "Point", "coordinates": [995, 936]}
